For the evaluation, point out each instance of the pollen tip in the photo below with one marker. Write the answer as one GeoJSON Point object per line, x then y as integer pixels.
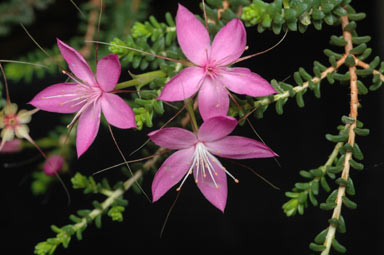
{"type": "Point", "coordinates": [217, 187]}
{"type": "Point", "coordinates": [196, 181]}
{"type": "Point", "coordinates": [43, 97]}
{"type": "Point", "coordinates": [237, 181]}
{"type": "Point", "coordinates": [216, 174]}
{"type": "Point", "coordinates": [178, 189]}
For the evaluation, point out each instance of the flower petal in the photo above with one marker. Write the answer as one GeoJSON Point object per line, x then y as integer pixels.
{"type": "Point", "coordinates": [242, 81]}
{"type": "Point", "coordinates": [171, 172]}
{"type": "Point", "coordinates": [57, 98]}
{"type": "Point", "coordinates": [192, 36]}
{"type": "Point", "coordinates": [229, 43]}
{"type": "Point", "coordinates": [77, 63]}
{"type": "Point", "coordinates": [237, 147]}
{"type": "Point", "coordinates": [117, 111]}
{"type": "Point", "coordinates": [173, 138]}
{"type": "Point", "coordinates": [217, 195]}
{"type": "Point", "coordinates": [216, 128]}
{"type": "Point", "coordinates": [183, 85]}
{"type": "Point", "coordinates": [213, 99]}
{"type": "Point", "coordinates": [108, 72]}
{"type": "Point", "coordinates": [87, 128]}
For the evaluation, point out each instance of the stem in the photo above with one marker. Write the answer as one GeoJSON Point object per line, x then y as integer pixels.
{"type": "Point", "coordinates": [351, 140]}
{"type": "Point", "coordinates": [191, 112]}
{"type": "Point", "coordinates": [267, 100]}
{"type": "Point", "coordinates": [112, 197]}
{"type": "Point", "coordinates": [141, 79]}
{"type": "Point", "coordinates": [5, 84]}
{"type": "Point", "coordinates": [364, 65]}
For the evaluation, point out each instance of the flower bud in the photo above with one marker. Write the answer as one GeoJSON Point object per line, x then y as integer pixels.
{"type": "Point", "coordinates": [53, 164]}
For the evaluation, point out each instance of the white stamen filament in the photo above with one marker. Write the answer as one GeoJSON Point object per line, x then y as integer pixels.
{"type": "Point", "coordinates": [202, 164]}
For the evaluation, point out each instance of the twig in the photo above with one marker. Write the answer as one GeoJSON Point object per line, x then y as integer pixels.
{"type": "Point", "coordinates": [285, 94]}
{"type": "Point", "coordinates": [351, 140]}
{"type": "Point", "coordinates": [364, 65]}
{"type": "Point", "coordinates": [91, 28]}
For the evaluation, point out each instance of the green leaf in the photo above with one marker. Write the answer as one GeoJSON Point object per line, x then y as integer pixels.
{"type": "Point", "coordinates": [98, 221]}
{"type": "Point", "coordinates": [361, 131]}
{"type": "Point", "coordinates": [302, 185]}
{"type": "Point", "coordinates": [332, 196]}
{"type": "Point", "coordinates": [327, 206]}
{"type": "Point", "coordinates": [341, 226]}
{"type": "Point", "coordinates": [349, 203]}
{"type": "Point", "coordinates": [338, 247]}
{"type": "Point", "coordinates": [356, 165]}
{"type": "Point", "coordinates": [306, 174]}
{"type": "Point", "coordinates": [350, 61]}
{"type": "Point", "coordinates": [300, 99]}
{"type": "Point", "coordinates": [356, 16]}
{"type": "Point", "coordinates": [320, 238]}
{"type": "Point", "coordinates": [316, 247]}
{"type": "Point", "coordinates": [360, 39]}
{"type": "Point", "coordinates": [324, 184]}
{"type": "Point", "coordinates": [312, 198]}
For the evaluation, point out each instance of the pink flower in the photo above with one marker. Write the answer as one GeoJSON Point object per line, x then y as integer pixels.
{"type": "Point", "coordinates": [53, 164]}
{"type": "Point", "coordinates": [196, 155]}
{"type": "Point", "coordinates": [210, 73]}
{"type": "Point", "coordinates": [88, 96]}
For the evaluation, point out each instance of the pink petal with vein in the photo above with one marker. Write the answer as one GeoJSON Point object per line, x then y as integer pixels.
{"type": "Point", "coordinates": [77, 63]}
{"type": "Point", "coordinates": [87, 128]}
{"type": "Point", "coordinates": [193, 37]}
{"type": "Point", "coordinates": [117, 111]}
{"type": "Point", "coordinates": [108, 72]}
{"type": "Point", "coordinates": [213, 99]}
{"type": "Point", "coordinates": [54, 98]}
{"type": "Point", "coordinates": [173, 138]}
{"type": "Point", "coordinates": [243, 81]}
{"type": "Point", "coordinates": [237, 147]}
{"type": "Point", "coordinates": [216, 128]}
{"type": "Point", "coordinates": [229, 43]}
{"type": "Point", "coordinates": [216, 195]}
{"type": "Point", "coordinates": [183, 85]}
{"type": "Point", "coordinates": [171, 172]}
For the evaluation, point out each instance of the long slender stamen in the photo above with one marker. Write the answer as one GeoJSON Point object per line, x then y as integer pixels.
{"type": "Point", "coordinates": [79, 82]}
{"type": "Point", "coordinates": [223, 168]}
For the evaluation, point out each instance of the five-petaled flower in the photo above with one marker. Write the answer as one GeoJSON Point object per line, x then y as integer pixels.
{"type": "Point", "coordinates": [196, 154]}
{"type": "Point", "coordinates": [13, 123]}
{"type": "Point", "coordinates": [88, 96]}
{"type": "Point", "coordinates": [210, 73]}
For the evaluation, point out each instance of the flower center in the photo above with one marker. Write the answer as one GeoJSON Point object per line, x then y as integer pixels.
{"type": "Point", "coordinates": [211, 70]}
{"type": "Point", "coordinates": [206, 165]}
{"type": "Point", "coordinates": [11, 120]}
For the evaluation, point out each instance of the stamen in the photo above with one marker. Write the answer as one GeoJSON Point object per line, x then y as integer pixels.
{"type": "Point", "coordinates": [182, 182]}
{"type": "Point", "coordinates": [223, 168]}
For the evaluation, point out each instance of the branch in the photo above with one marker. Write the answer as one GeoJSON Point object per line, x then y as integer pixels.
{"type": "Point", "coordinates": [286, 94]}
{"type": "Point", "coordinates": [351, 140]}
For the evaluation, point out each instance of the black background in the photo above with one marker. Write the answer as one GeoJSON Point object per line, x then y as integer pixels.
{"type": "Point", "coordinates": [253, 219]}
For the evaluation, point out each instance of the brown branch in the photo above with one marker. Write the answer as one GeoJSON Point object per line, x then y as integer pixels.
{"type": "Point", "coordinates": [354, 102]}
{"type": "Point", "coordinates": [91, 28]}
{"type": "Point", "coordinates": [364, 65]}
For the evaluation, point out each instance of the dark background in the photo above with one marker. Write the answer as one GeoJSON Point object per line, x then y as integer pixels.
{"type": "Point", "coordinates": [253, 219]}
